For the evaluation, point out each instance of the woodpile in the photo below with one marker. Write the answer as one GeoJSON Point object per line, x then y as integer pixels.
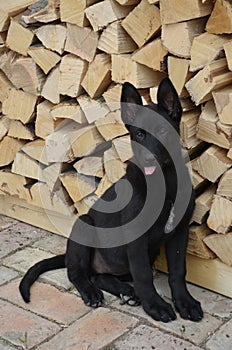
{"type": "Point", "coordinates": [62, 63]}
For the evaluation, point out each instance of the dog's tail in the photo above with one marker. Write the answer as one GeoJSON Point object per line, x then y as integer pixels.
{"type": "Point", "coordinates": [56, 262]}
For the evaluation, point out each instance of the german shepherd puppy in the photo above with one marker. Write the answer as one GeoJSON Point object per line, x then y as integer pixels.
{"type": "Point", "coordinates": [109, 260]}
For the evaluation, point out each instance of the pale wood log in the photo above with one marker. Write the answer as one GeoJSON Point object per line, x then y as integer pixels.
{"type": "Point", "coordinates": [11, 8]}
{"type": "Point", "coordinates": [223, 103]}
{"type": "Point", "coordinates": [114, 39]}
{"type": "Point", "coordinates": [36, 150]}
{"type": "Point", "coordinates": [220, 21]}
{"type": "Point", "coordinates": [72, 72]}
{"type": "Point", "coordinates": [151, 55]}
{"type": "Point", "coordinates": [92, 166]}
{"type": "Point", "coordinates": [111, 126]}
{"type": "Point", "coordinates": [208, 128]}
{"type": "Point", "coordinates": [153, 1]}
{"type": "Point", "coordinates": [85, 204]}
{"type": "Point", "coordinates": [214, 76]}
{"type": "Point", "coordinates": [105, 12]}
{"type": "Point", "coordinates": [68, 110]}
{"type": "Point", "coordinates": [98, 75]}
{"type": "Point", "coordinates": [52, 36]}
{"type": "Point", "coordinates": [173, 11]}
{"type": "Point", "coordinates": [9, 146]}
{"type": "Point", "coordinates": [178, 71]}
{"type": "Point", "coordinates": [226, 129]}
{"type": "Point", "coordinates": [103, 186]}
{"type": "Point", "coordinates": [228, 51]}
{"type": "Point", "coordinates": [50, 175]}
{"type": "Point", "coordinates": [20, 131]}
{"type": "Point", "coordinates": [13, 185]}
{"type": "Point", "coordinates": [50, 89]}
{"type": "Point", "coordinates": [187, 104]}
{"type": "Point", "coordinates": [26, 166]}
{"type": "Point", "coordinates": [203, 204]}
{"type": "Point", "coordinates": [188, 127]}
{"type": "Point", "coordinates": [81, 42]}
{"type": "Point", "coordinates": [128, 2]}
{"type": "Point", "coordinates": [4, 126]}
{"type": "Point", "coordinates": [143, 22]}
{"type": "Point", "coordinates": [212, 163]}
{"type": "Point", "coordinates": [196, 246]}
{"type": "Point", "coordinates": [224, 186]}
{"type": "Point", "coordinates": [44, 58]}
{"type": "Point", "coordinates": [112, 96]}
{"type": "Point", "coordinates": [198, 181]}
{"type": "Point", "coordinates": [92, 109]}
{"type": "Point", "coordinates": [45, 124]}
{"type": "Point", "coordinates": [5, 86]}
{"type": "Point", "coordinates": [19, 38]}
{"type": "Point", "coordinates": [43, 11]}
{"type": "Point", "coordinates": [78, 186]}
{"type": "Point", "coordinates": [221, 246]}
{"type": "Point", "coordinates": [19, 105]}
{"type": "Point", "coordinates": [206, 48]}
{"type": "Point", "coordinates": [229, 154]}
{"type": "Point", "coordinates": [125, 69]}
{"type": "Point", "coordinates": [122, 146]}
{"type": "Point", "coordinates": [220, 217]}
{"type": "Point", "coordinates": [115, 169]}
{"type": "Point", "coordinates": [178, 37]}
{"type": "Point", "coordinates": [86, 140]}
{"type": "Point", "coordinates": [72, 11]}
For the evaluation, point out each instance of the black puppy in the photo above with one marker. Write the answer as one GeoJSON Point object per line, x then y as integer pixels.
{"type": "Point", "coordinates": [107, 248]}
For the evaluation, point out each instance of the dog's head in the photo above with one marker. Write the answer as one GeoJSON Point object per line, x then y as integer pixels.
{"type": "Point", "coordinates": [151, 132]}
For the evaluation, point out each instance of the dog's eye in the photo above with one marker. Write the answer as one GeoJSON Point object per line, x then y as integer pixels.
{"type": "Point", "coordinates": [140, 135]}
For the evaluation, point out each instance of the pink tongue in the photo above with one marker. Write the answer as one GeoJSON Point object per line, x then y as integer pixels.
{"type": "Point", "coordinates": [149, 170]}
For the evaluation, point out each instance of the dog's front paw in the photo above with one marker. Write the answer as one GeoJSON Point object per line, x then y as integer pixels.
{"type": "Point", "coordinates": [189, 308]}
{"type": "Point", "coordinates": [93, 297]}
{"type": "Point", "coordinates": [131, 300]}
{"type": "Point", "coordinates": [160, 311]}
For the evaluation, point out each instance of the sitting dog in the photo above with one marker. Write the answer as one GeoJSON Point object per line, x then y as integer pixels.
{"type": "Point", "coordinates": [107, 248]}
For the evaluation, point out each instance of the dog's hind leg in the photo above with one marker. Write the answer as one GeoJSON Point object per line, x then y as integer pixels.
{"type": "Point", "coordinates": [113, 285]}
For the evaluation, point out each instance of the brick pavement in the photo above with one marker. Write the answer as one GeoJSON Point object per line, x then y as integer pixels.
{"type": "Point", "coordinates": [56, 318]}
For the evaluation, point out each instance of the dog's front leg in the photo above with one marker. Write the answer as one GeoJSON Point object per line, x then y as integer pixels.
{"type": "Point", "coordinates": [142, 274]}
{"type": "Point", "coordinates": [185, 304]}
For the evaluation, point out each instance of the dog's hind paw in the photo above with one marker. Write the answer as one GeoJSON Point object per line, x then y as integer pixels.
{"type": "Point", "coordinates": [131, 300]}
{"type": "Point", "coordinates": [93, 297]}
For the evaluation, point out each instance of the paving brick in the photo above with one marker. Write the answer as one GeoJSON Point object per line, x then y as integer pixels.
{"type": "Point", "coordinates": [5, 222]}
{"type": "Point", "coordinates": [47, 301]}
{"type": "Point", "coordinates": [147, 338]}
{"type": "Point", "coordinates": [93, 331]}
{"type": "Point", "coordinates": [52, 243]}
{"type": "Point", "coordinates": [5, 346]}
{"type": "Point", "coordinates": [16, 322]}
{"type": "Point", "coordinates": [18, 236]}
{"type": "Point", "coordinates": [58, 278]}
{"type": "Point", "coordinates": [6, 274]}
{"type": "Point", "coordinates": [195, 332]}
{"type": "Point", "coordinates": [25, 258]}
{"type": "Point", "coordinates": [222, 339]}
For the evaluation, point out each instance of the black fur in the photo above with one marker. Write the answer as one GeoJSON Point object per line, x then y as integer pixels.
{"type": "Point", "coordinates": [92, 270]}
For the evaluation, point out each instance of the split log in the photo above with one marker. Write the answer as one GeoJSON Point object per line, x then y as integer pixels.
{"type": "Point", "coordinates": [50, 89]}
{"type": "Point", "coordinates": [44, 58]}
{"type": "Point", "coordinates": [114, 39]}
{"type": "Point", "coordinates": [228, 52]}
{"type": "Point", "coordinates": [8, 149]}
{"type": "Point", "coordinates": [223, 103]}
{"type": "Point", "coordinates": [174, 11]}
{"type": "Point", "coordinates": [178, 37]}
{"type": "Point", "coordinates": [111, 126]}
{"type": "Point", "coordinates": [212, 163]}
{"type": "Point", "coordinates": [114, 168]}
{"type": "Point", "coordinates": [20, 131]}
{"type": "Point", "coordinates": [19, 105]}
{"type": "Point", "coordinates": [92, 166]}
{"type": "Point", "coordinates": [125, 69]}
{"type": "Point", "coordinates": [78, 186]}
{"type": "Point", "coordinates": [206, 48]}
{"type": "Point", "coordinates": [85, 204]}
{"type": "Point", "coordinates": [86, 141]}
{"type": "Point", "coordinates": [178, 71]}
{"type": "Point", "coordinates": [196, 246]}
{"type": "Point", "coordinates": [214, 76]}
{"type": "Point", "coordinates": [4, 126]}
{"type": "Point", "coordinates": [98, 75]}
{"type": "Point", "coordinates": [143, 22]}
{"type": "Point", "coordinates": [68, 110]}
{"type": "Point", "coordinates": [72, 11]}
{"type": "Point", "coordinates": [19, 38]}
{"type": "Point", "coordinates": [104, 13]}
{"type": "Point", "coordinates": [103, 186]}
{"type": "Point", "coordinates": [81, 42]}
{"type": "Point", "coordinates": [224, 186]}
{"type": "Point", "coordinates": [221, 246]}
{"type": "Point", "coordinates": [92, 109]}
{"type": "Point", "coordinates": [198, 181]}
{"type": "Point", "coordinates": [42, 11]}
{"type": "Point", "coordinates": [36, 150]}
{"type": "Point", "coordinates": [52, 36]}
{"type": "Point", "coordinates": [188, 128]}
{"type": "Point", "coordinates": [208, 128]}
{"type": "Point", "coordinates": [5, 86]}
{"type": "Point", "coordinates": [220, 21]}
{"type": "Point", "coordinates": [26, 166]}
{"type": "Point", "coordinates": [45, 124]}
{"type": "Point", "coordinates": [128, 2]}
{"type": "Point", "coordinates": [203, 205]}
{"type": "Point", "coordinates": [112, 96]}
{"type": "Point", "coordinates": [151, 55]}
{"type": "Point", "coordinates": [229, 154]}
{"type": "Point", "coordinates": [220, 217]}
{"type": "Point", "coordinates": [13, 184]}
{"type": "Point", "coordinates": [72, 72]}
{"type": "Point", "coordinates": [51, 176]}
{"type": "Point", "coordinates": [122, 146]}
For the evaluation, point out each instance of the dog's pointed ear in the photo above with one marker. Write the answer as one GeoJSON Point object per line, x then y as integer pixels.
{"type": "Point", "coordinates": [130, 102]}
{"type": "Point", "coordinates": [168, 100]}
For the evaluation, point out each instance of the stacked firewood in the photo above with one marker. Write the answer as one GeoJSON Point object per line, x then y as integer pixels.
{"type": "Point", "coordinates": [62, 63]}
